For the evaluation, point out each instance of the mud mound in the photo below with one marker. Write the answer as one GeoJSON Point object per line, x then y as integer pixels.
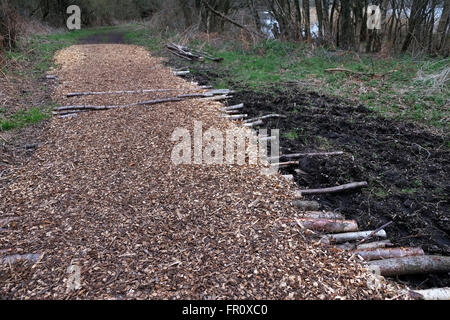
{"type": "Point", "coordinates": [407, 167]}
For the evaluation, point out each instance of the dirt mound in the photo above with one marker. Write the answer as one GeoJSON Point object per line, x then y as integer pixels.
{"type": "Point", "coordinates": [407, 167]}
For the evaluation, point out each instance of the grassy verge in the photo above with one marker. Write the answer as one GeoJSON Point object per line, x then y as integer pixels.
{"type": "Point", "coordinates": [24, 118]}
{"type": "Point", "coordinates": [393, 90]}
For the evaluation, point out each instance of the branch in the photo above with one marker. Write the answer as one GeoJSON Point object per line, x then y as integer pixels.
{"type": "Point", "coordinates": [224, 17]}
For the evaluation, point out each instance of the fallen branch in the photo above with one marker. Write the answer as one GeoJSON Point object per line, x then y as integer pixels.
{"type": "Point", "coordinates": [96, 93]}
{"type": "Point", "coordinates": [313, 154]}
{"type": "Point", "coordinates": [350, 71]}
{"type": "Point", "coordinates": [224, 17]}
{"type": "Point", "coordinates": [254, 124]}
{"type": "Point", "coordinates": [235, 107]}
{"type": "Point", "coordinates": [345, 187]}
{"type": "Point", "coordinates": [266, 117]}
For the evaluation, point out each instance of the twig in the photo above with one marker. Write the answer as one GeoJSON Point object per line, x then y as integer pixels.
{"type": "Point", "coordinates": [344, 187]}
{"type": "Point", "coordinates": [374, 233]}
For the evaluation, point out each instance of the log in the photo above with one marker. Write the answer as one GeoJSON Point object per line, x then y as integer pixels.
{"type": "Point", "coordinates": [206, 87]}
{"type": "Point", "coordinates": [216, 92]}
{"type": "Point", "coordinates": [288, 177]}
{"type": "Point", "coordinates": [431, 294]}
{"type": "Point", "coordinates": [254, 124]}
{"type": "Point", "coordinates": [68, 116]}
{"type": "Point", "coordinates": [180, 73]}
{"type": "Point", "coordinates": [20, 257]}
{"type": "Point", "coordinates": [285, 164]}
{"type": "Point", "coordinates": [98, 93]}
{"type": "Point", "coordinates": [312, 154]}
{"type": "Point", "coordinates": [266, 117]}
{"type": "Point", "coordinates": [272, 138]}
{"type": "Point", "coordinates": [235, 107]}
{"type": "Point", "coordinates": [306, 205]}
{"type": "Point", "coordinates": [350, 236]}
{"type": "Point", "coordinates": [411, 265]}
{"type": "Point", "coordinates": [323, 215]}
{"type": "Point", "coordinates": [90, 107]}
{"type": "Point", "coordinates": [230, 111]}
{"type": "Point", "coordinates": [51, 77]}
{"type": "Point", "coordinates": [236, 116]}
{"type": "Point", "coordinates": [345, 187]}
{"type": "Point", "coordinates": [217, 98]}
{"type": "Point", "coordinates": [388, 253]}
{"type": "Point", "coordinates": [328, 225]}
{"type": "Point", "coordinates": [374, 245]}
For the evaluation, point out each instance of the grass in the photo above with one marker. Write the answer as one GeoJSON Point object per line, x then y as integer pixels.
{"type": "Point", "coordinates": [24, 118]}
{"type": "Point", "coordinates": [393, 93]}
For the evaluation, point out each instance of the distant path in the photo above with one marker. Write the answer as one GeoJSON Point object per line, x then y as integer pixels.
{"type": "Point", "coordinates": [111, 37]}
{"type": "Point", "coordinates": [102, 194]}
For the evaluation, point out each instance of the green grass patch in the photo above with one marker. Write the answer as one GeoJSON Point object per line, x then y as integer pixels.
{"type": "Point", "coordinates": [24, 118]}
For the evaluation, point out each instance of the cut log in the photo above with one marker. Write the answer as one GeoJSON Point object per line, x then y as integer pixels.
{"type": "Point", "coordinates": [345, 187]}
{"type": "Point", "coordinates": [235, 107]}
{"type": "Point", "coordinates": [306, 205]}
{"type": "Point", "coordinates": [254, 124]}
{"type": "Point", "coordinates": [51, 77]}
{"type": "Point", "coordinates": [323, 215]}
{"type": "Point", "coordinates": [217, 98]}
{"type": "Point", "coordinates": [285, 164]}
{"type": "Point", "coordinates": [236, 116]}
{"type": "Point", "coordinates": [411, 265]}
{"type": "Point", "coordinates": [20, 257]}
{"type": "Point", "coordinates": [288, 177]}
{"type": "Point", "coordinates": [313, 154]}
{"type": "Point", "coordinates": [180, 73]}
{"type": "Point", "coordinates": [230, 111]}
{"type": "Point", "coordinates": [431, 294]}
{"type": "Point", "coordinates": [328, 225]}
{"type": "Point", "coordinates": [375, 245]}
{"type": "Point", "coordinates": [216, 92]}
{"type": "Point", "coordinates": [350, 236]}
{"type": "Point", "coordinates": [263, 139]}
{"type": "Point", "coordinates": [266, 117]}
{"type": "Point", "coordinates": [388, 253]}
{"type": "Point", "coordinates": [206, 87]}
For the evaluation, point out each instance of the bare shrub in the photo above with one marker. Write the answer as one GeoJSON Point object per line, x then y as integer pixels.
{"type": "Point", "coordinates": [9, 25]}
